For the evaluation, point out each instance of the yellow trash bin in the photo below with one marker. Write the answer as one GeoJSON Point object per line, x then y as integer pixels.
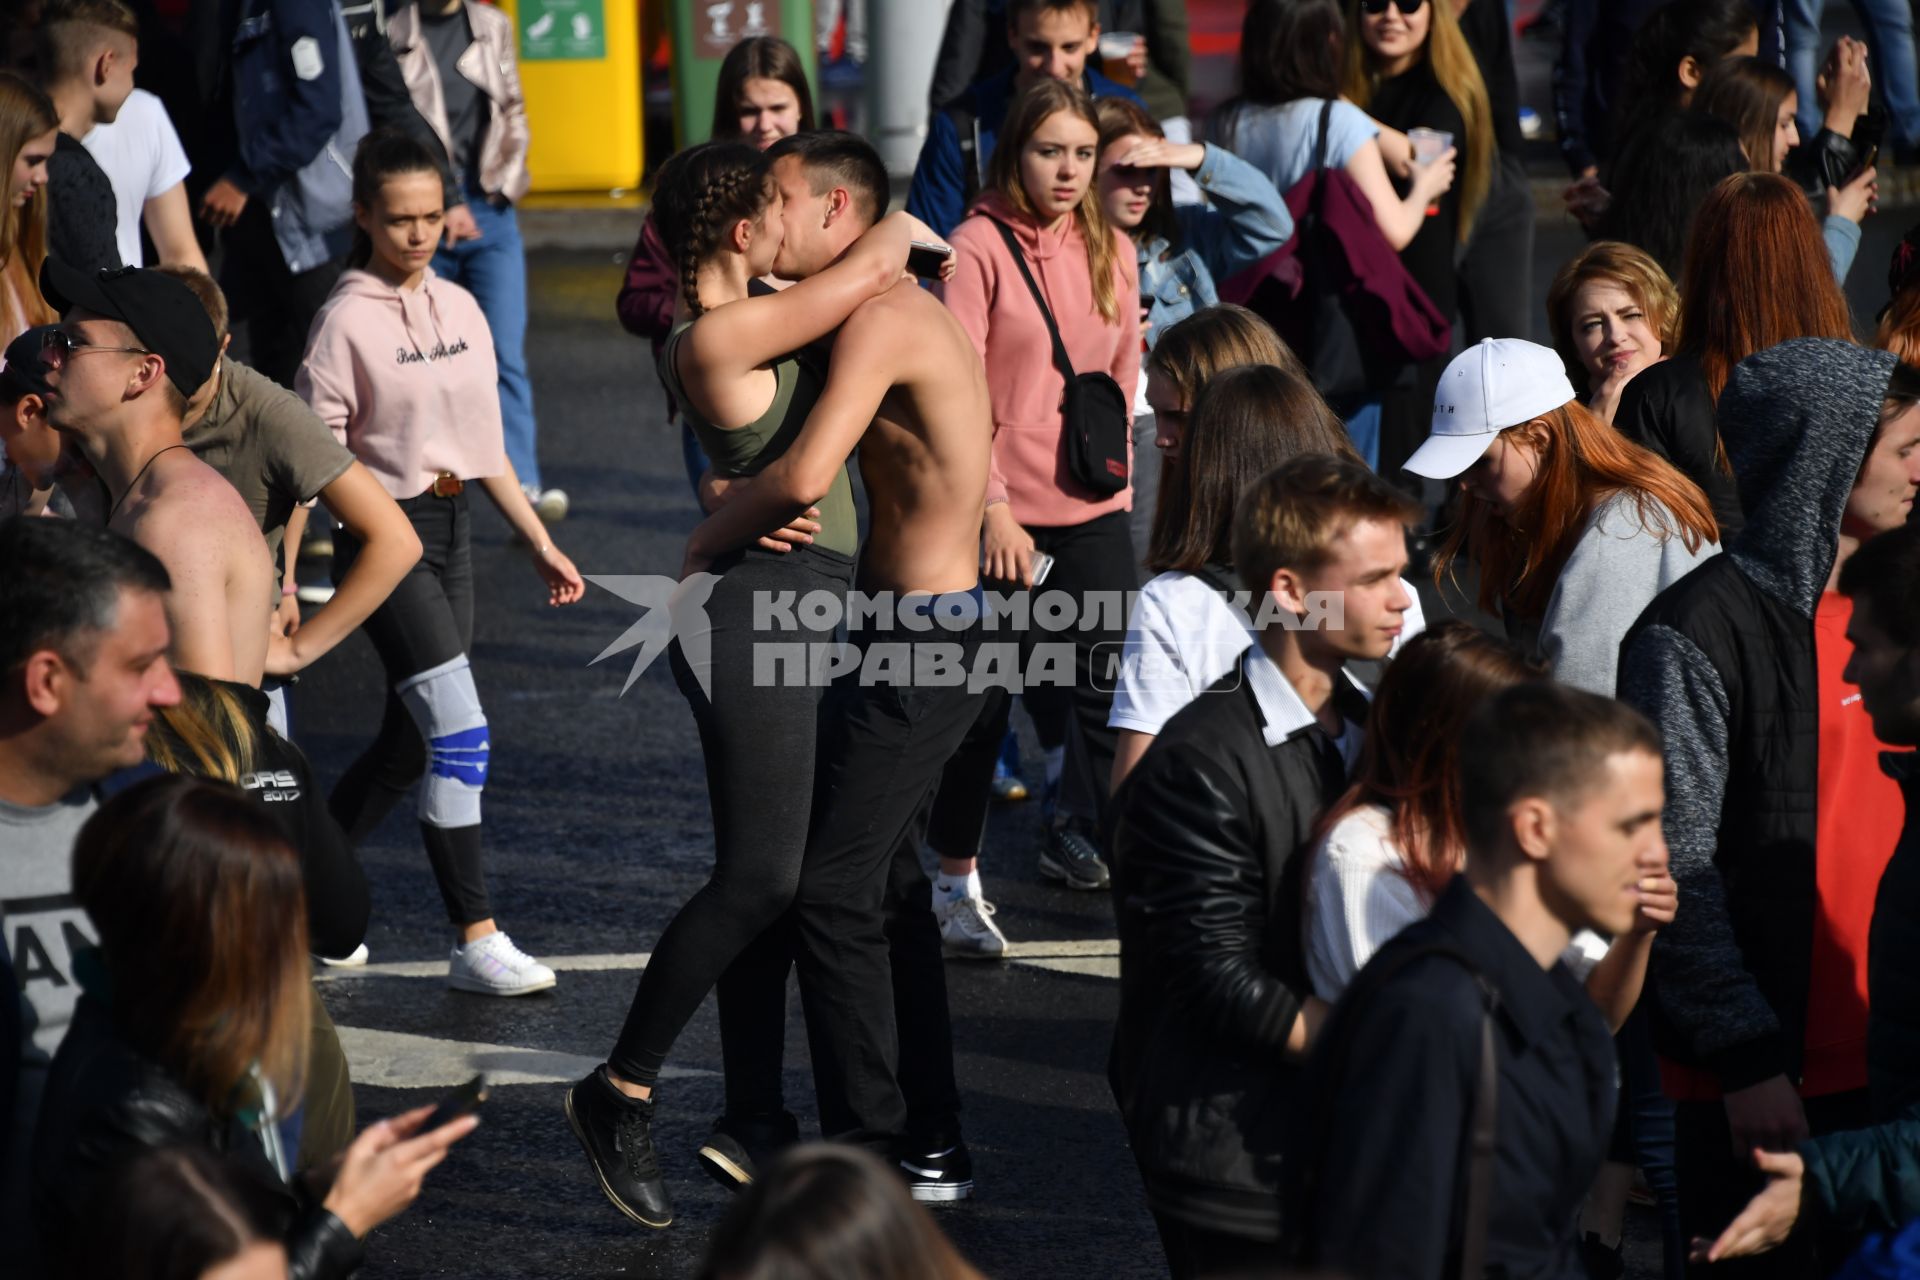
{"type": "Point", "coordinates": [580, 69]}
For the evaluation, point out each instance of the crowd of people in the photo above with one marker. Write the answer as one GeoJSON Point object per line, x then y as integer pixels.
{"type": "Point", "coordinates": [1435, 932]}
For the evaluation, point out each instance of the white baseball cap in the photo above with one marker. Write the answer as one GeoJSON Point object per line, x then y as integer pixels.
{"type": "Point", "coordinates": [1497, 384]}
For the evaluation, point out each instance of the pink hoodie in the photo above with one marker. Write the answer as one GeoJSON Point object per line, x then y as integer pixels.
{"type": "Point", "coordinates": [994, 306]}
{"type": "Point", "coordinates": [406, 378]}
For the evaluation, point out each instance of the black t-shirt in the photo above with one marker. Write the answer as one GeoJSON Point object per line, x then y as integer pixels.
{"type": "Point", "coordinates": [1667, 408]}
{"type": "Point", "coordinates": [81, 215]}
{"type": "Point", "coordinates": [1411, 100]}
{"type": "Point", "coordinates": [448, 36]}
{"type": "Point", "coordinates": [1489, 35]}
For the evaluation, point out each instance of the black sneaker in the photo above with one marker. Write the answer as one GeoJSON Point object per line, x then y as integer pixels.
{"type": "Point", "coordinates": [938, 1177]}
{"type": "Point", "coordinates": [617, 1134]}
{"type": "Point", "coordinates": [1070, 856]}
{"type": "Point", "coordinates": [734, 1150]}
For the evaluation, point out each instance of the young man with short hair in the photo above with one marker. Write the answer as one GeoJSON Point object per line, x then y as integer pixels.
{"type": "Point", "coordinates": [87, 50]}
{"type": "Point", "coordinates": [1050, 39]}
{"type": "Point", "coordinates": [1869, 1179]}
{"type": "Point", "coordinates": [1561, 798]}
{"type": "Point", "coordinates": [133, 346]}
{"type": "Point", "coordinates": [1780, 820]}
{"type": "Point", "coordinates": [83, 669]}
{"type": "Point", "coordinates": [1215, 1006]}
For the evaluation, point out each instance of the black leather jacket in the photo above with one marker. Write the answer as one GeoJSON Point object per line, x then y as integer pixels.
{"type": "Point", "coordinates": [105, 1101]}
{"type": "Point", "coordinates": [1206, 872]}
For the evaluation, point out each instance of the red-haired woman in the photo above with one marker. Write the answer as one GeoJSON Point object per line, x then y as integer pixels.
{"type": "Point", "coordinates": [1574, 529]}
{"type": "Point", "coordinates": [1757, 273]}
{"type": "Point", "coordinates": [1612, 312]}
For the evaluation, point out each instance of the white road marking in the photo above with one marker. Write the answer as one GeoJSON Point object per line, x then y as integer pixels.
{"type": "Point", "coordinates": [402, 1060]}
{"type": "Point", "coordinates": [1096, 957]}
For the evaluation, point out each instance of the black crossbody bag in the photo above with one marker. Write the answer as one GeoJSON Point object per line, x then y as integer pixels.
{"type": "Point", "coordinates": [1093, 412]}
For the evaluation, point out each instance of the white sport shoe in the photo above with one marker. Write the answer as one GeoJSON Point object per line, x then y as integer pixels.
{"type": "Point", "coordinates": [551, 505]}
{"type": "Point", "coordinates": [967, 930]}
{"type": "Point", "coordinates": [493, 966]}
{"type": "Point", "coordinates": [352, 960]}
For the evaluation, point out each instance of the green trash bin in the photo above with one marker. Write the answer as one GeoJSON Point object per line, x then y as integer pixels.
{"type": "Point", "coordinates": [703, 32]}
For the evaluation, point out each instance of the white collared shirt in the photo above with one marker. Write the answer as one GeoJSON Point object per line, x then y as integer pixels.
{"type": "Point", "coordinates": [1285, 714]}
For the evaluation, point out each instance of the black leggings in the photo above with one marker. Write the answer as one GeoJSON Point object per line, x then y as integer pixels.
{"type": "Point", "coordinates": [757, 733]}
{"type": "Point", "coordinates": [425, 622]}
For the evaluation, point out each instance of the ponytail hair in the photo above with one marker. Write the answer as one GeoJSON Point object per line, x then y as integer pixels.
{"type": "Point", "coordinates": [701, 193]}
{"type": "Point", "coordinates": [382, 154]}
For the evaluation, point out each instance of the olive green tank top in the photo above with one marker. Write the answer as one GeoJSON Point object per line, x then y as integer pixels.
{"type": "Point", "coordinates": [743, 451]}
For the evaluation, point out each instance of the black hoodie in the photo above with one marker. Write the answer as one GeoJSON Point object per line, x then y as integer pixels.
{"type": "Point", "coordinates": [1724, 662]}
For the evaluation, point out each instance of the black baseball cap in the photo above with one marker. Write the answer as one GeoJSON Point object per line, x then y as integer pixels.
{"type": "Point", "coordinates": [24, 375]}
{"type": "Point", "coordinates": [162, 312]}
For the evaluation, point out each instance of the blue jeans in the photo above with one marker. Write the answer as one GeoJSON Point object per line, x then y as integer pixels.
{"type": "Point", "coordinates": [1363, 428]}
{"type": "Point", "coordinates": [494, 270]}
{"type": "Point", "coordinates": [1890, 36]}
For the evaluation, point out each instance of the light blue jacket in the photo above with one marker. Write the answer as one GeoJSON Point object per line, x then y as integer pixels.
{"type": "Point", "coordinates": [1243, 221]}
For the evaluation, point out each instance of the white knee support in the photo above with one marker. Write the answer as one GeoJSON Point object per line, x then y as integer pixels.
{"type": "Point", "coordinates": [446, 707]}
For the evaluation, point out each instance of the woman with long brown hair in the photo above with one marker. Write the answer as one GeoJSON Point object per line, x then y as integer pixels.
{"type": "Point", "coordinates": [1189, 625]}
{"type": "Point", "coordinates": [1573, 528]}
{"type": "Point", "coordinates": [1756, 274]}
{"type": "Point", "coordinates": [1041, 218]}
{"type": "Point", "coordinates": [1411, 68]}
{"type": "Point", "coordinates": [193, 1023]}
{"type": "Point", "coordinates": [28, 127]}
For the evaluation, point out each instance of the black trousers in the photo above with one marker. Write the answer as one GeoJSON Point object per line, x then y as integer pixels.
{"type": "Point", "coordinates": [427, 620]}
{"type": "Point", "coordinates": [272, 307]}
{"type": "Point", "coordinates": [758, 730]}
{"type": "Point", "coordinates": [864, 913]}
{"type": "Point", "coordinates": [1194, 1253]}
{"type": "Point", "coordinates": [1715, 1187]}
{"type": "Point", "coordinates": [1496, 275]}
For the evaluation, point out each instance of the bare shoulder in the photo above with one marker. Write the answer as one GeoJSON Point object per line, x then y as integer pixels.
{"type": "Point", "coordinates": [194, 502]}
{"type": "Point", "coordinates": [903, 318]}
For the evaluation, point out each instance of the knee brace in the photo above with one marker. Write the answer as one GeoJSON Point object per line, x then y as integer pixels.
{"type": "Point", "coordinates": [446, 707]}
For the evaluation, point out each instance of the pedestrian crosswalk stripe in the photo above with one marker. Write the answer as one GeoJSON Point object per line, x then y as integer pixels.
{"type": "Point", "coordinates": [403, 1060]}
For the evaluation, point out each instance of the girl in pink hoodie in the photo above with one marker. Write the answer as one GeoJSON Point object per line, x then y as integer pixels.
{"type": "Point", "coordinates": [400, 364]}
{"type": "Point", "coordinates": [1040, 186]}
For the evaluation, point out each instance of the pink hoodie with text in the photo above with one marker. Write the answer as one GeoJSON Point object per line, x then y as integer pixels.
{"type": "Point", "coordinates": [406, 379]}
{"type": "Point", "coordinates": [995, 307]}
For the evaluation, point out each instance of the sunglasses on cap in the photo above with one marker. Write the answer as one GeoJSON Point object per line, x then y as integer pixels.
{"type": "Point", "coordinates": [1374, 8]}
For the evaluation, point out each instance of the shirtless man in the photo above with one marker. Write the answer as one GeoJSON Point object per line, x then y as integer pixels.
{"type": "Point", "coordinates": [132, 347]}
{"type": "Point", "coordinates": [906, 389]}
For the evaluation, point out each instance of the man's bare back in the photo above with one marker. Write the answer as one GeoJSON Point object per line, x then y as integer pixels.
{"type": "Point", "coordinates": [198, 525]}
{"type": "Point", "coordinates": [924, 459]}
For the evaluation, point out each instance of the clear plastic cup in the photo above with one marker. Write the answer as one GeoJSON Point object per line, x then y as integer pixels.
{"type": "Point", "coordinates": [1429, 144]}
{"type": "Point", "coordinates": [1115, 47]}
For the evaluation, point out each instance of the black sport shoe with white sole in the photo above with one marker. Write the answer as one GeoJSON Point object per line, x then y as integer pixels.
{"type": "Point", "coordinates": [939, 1177]}
{"type": "Point", "coordinates": [737, 1148]}
{"type": "Point", "coordinates": [617, 1134]}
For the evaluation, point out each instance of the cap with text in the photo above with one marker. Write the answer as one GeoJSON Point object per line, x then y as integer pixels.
{"type": "Point", "coordinates": [162, 312]}
{"type": "Point", "coordinates": [1496, 384]}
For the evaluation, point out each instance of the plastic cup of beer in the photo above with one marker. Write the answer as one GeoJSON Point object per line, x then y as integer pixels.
{"type": "Point", "coordinates": [1429, 144]}
{"type": "Point", "coordinates": [1115, 48]}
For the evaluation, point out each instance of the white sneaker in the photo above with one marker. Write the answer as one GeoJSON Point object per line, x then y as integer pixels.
{"type": "Point", "coordinates": [967, 929]}
{"type": "Point", "coordinates": [353, 960]}
{"type": "Point", "coordinates": [313, 593]}
{"type": "Point", "coordinates": [493, 966]}
{"type": "Point", "coordinates": [551, 505]}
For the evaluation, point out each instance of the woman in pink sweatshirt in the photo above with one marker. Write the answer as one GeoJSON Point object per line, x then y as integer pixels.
{"type": "Point", "coordinates": [1040, 187]}
{"type": "Point", "coordinates": [400, 364]}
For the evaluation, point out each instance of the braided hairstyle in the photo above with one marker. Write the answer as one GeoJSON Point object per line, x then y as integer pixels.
{"type": "Point", "coordinates": [700, 194]}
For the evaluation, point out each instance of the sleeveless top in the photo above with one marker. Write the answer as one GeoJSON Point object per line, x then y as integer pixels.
{"type": "Point", "coordinates": [744, 451]}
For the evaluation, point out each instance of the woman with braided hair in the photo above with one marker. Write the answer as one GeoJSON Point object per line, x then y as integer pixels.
{"type": "Point", "coordinates": [732, 363]}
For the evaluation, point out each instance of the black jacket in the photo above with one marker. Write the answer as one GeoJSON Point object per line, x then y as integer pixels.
{"type": "Point", "coordinates": [1667, 408]}
{"type": "Point", "coordinates": [1384, 1107]}
{"type": "Point", "coordinates": [1212, 973]}
{"type": "Point", "coordinates": [106, 1102]}
{"type": "Point", "coordinates": [1723, 661]}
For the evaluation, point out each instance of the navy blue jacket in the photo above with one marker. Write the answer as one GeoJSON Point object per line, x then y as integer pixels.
{"type": "Point", "coordinates": [941, 187]}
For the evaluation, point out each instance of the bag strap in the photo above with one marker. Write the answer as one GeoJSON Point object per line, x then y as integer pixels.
{"type": "Point", "coordinates": [1061, 360]}
{"type": "Point", "coordinates": [1483, 1122]}
{"type": "Point", "coordinates": [1320, 142]}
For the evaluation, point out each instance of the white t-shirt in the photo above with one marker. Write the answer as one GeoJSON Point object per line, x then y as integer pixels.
{"type": "Point", "coordinates": [1358, 897]}
{"type": "Point", "coordinates": [1279, 141]}
{"type": "Point", "coordinates": [1184, 635]}
{"type": "Point", "coordinates": [142, 157]}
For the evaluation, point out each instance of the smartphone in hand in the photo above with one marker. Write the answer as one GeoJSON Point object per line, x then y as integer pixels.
{"type": "Point", "coordinates": [461, 1101]}
{"type": "Point", "coordinates": [928, 260]}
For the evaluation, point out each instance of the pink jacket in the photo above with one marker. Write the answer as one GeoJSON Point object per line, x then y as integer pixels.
{"type": "Point", "coordinates": [994, 306]}
{"type": "Point", "coordinates": [406, 379]}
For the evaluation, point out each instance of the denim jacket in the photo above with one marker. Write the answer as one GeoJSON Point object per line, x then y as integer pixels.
{"type": "Point", "coordinates": [299, 113]}
{"type": "Point", "coordinates": [1243, 221]}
